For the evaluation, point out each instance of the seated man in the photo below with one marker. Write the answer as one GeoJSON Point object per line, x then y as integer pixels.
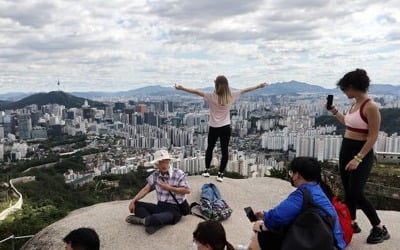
{"type": "Point", "coordinates": [304, 172]}
{"type": "Point", "coordinates": [166, 181]}
{"type": "Point", "coordinates": [82, 239]}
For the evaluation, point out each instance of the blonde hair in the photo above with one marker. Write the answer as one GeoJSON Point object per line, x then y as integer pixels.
{"type": "Point", "coordinates": [222, 90]}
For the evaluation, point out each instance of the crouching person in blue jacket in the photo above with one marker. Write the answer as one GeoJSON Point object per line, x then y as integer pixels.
{"type": "Point", "coordinates": [304, 173]}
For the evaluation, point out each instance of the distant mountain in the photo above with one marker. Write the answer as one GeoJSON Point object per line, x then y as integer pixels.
{"type": "Point", "coordinates": [13, 96]}
{"type": "Point", "coordinates": [384, 89]}
{"type": "Point", "coordinates": [153, 90]}
{"type": "Point", "coordinates": [279, 88]}
{"type": "Point", "coordinates": [54, 97]}
{"type": "Point", "coordinates": [2, 103]}
{"type": "Point", "coordinates": [93, 94]}
{"type": "Point", "coordinates": [292, 88]}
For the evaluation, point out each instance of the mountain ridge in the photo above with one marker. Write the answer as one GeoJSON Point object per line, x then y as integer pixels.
{"type": "Point", "coordinates": [53, 97]}
{"type": "Point", "coordinates": [279, 88]}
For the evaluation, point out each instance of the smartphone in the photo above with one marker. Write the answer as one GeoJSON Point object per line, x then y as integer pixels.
{"type": "Point", "coordinates": [250, 214]}
{"type": "Point", "coordinates": [329, 102]}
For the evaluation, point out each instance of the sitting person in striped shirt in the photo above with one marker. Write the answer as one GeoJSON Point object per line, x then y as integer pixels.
{"type": "Point", "coordinates": [168, 182]}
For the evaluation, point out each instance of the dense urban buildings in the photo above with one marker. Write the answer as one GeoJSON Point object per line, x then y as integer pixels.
{"type": "Point", "coordinates": [266, 132]}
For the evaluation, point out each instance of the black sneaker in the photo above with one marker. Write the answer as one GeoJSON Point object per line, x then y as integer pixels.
{"type": "Point", "coordinates": [356, 228]}
{"type": "Point", "coordinates": [378, 235]}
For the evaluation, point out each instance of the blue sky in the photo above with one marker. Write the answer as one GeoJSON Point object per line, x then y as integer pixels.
{"type": "Point", "coordinates": [117, 45]}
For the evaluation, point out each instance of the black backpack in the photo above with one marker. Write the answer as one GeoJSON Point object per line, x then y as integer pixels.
{"type": "Point", "coordinates": [310, 230]}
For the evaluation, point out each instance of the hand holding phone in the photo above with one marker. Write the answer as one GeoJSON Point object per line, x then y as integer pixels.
{"type": "Point", "coordinates": [250, 214]}
{"type": "Point", "coordinates": [329, 102]}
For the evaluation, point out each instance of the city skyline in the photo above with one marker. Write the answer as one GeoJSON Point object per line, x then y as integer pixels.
{"type": "Point", "coordinates": [124, 45]}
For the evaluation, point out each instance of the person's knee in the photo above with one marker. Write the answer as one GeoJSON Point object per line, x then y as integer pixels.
{"type": "Point", "coordinates": [209, 149]}
{"type": "Point", "coordinates": [355, 195]}
{"type": "Point", "coordinates": [224, 153]}
{"type": "Point", "coordinates": [176, 218]}
{"type": "Point", "coordinates": [164, 218]}
{"type": "Point", "coordinates": [140, 209]}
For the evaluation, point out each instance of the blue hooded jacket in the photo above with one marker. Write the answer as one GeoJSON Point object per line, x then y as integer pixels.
{"type": "Point", "coordinates": [286, 212]}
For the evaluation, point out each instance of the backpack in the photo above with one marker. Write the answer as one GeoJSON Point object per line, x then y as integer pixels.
{"type": "Point", "coordinates": [310, 230]}
{"type": "Point", "coordinates": [212, 206]}
{"type": "Point", "coordinates": [344, 216]}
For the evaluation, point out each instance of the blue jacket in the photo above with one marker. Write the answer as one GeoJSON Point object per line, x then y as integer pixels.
{"type": "Point", "coordinates": [286, 212]}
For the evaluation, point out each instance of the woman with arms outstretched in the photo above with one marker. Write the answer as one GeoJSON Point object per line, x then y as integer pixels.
{"type": "Point", "coordinates": [220, 102]}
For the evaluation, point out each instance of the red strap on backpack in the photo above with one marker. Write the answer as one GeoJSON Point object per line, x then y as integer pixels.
{"type": "Point", "coordinates": [343, 213]}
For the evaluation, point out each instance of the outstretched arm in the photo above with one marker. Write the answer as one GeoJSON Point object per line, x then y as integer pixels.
{"type": "Point", "coordinates": [258, 86]}
{"type": "Point", "coordinates": [191, 91]}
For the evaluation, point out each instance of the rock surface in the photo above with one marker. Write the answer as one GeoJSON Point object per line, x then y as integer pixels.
{"type": "Point", "coordinates": [108, 219]}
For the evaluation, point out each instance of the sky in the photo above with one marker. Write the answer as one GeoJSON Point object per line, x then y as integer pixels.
{"type": "Point", "coordinates": [120, 45]}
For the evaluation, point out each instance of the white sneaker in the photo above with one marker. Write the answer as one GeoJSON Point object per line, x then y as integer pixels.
{"type": "Point", "coordinates": [220, 177]}
{"type": "Point", "coordinates": [206, 174]}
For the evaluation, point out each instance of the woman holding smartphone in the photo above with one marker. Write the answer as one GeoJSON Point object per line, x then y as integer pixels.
{"type": "Point", "coordinates": [362, 123]}
{"type": "Point", "coordinates": [220, 102]}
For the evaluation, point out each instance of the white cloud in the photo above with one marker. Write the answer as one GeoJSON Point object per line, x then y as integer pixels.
{"type": "Point", "coordinates": [121, 44]}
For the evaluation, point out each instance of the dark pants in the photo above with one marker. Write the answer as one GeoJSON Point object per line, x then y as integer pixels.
{"type": "Point", "coordinates": [354, 181]}
{"type": "Point", "coordinates": [224, 134]}
{"type": "Point", "coordinates": [270, 239]}
{"type": "Point", "coordinates": [158, 215]}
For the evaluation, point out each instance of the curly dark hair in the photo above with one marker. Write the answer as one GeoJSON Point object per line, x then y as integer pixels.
{"type": "Point", "coordinates": [357, 79]}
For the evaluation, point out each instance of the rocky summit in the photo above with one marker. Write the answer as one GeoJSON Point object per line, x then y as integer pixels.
{"type": "Point", "coordinates": [108, 219]}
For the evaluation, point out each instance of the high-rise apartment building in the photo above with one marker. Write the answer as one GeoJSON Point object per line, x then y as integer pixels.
{"type": "Point", "coordinates": [141, 108]}
{"type": "Point", "coordinates": [1, 132]}
{"type": "Point", "coordinates": [1, 152]}
{"type": "Point", "coordinates": [25, 127]}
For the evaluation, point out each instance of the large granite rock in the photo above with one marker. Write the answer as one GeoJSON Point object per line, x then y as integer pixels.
{"type": "Point", "coordinates": [108, 219]}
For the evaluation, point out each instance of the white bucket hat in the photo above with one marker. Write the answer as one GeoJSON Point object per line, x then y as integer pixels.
{"type": "Point", "coordinates": [160, 155]}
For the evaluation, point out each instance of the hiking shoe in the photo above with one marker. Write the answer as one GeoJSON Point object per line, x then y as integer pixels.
{"type": "Point", "coordinates": [206, 173]}
{"type": "Point", "coordinates": [378, 235]}
{"type": "Point", "coordinates": [152, 229]}
{"type": "Point", "coordinates": [133, 219]}
{"type": "Point", "coordinates": [356, 228]}
{"type": "Point", "coordinates": [220, 177]}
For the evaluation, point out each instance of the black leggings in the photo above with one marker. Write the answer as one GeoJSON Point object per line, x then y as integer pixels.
{"type": "Point", "coordinates": [354, 181]}
{"type": "Point", "coordinates": [224, 134]}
